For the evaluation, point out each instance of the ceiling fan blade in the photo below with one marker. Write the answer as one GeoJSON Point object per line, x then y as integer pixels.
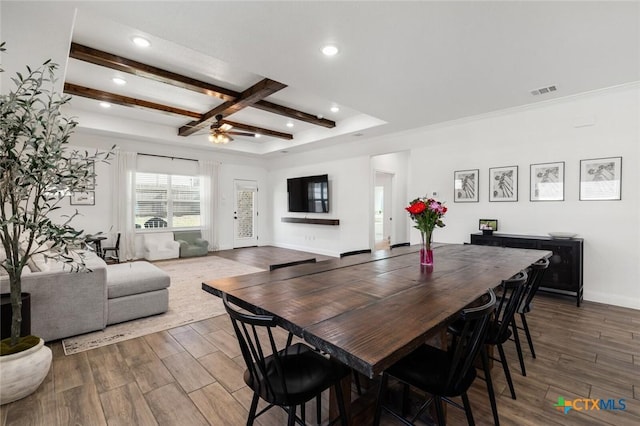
{"type": "Point", "coordinates": [241, 134]}
{"type": "Point", "coordinates": [225, 127]}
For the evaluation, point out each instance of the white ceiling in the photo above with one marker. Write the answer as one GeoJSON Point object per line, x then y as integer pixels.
{"type": "Point", "coordinates": [402, 65]}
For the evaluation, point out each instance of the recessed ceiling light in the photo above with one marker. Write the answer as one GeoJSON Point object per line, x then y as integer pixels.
{"type": "Point", "coordinates": [119, 81]}
{"type": "Point", "coordinates": [105, 104]}
{"type": "Point", "coordinates": [289, 124]}
{"type": "Point", "coordinates": [141, 42]}
{"type": "Point", "coordinates": [335, 109]}
{"type": "Point", "coordinates": [330, 50]}
{"type": "Point", "coordinates": [257, 135]}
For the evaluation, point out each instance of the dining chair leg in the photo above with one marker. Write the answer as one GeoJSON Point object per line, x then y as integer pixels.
{"type": "Point", "coordinates": [528, 333]}
{"type": "Point", "coordinates": [490, 390]}
{"type": "Point", "coordinates": [252, 410]}
{"type": "Point", "coordinates": [319, 409]}
{"type": "Point", "coordinates": [303, 413]}
{"type": "Point", "coordinates": [516, 338]}
{"type": "Point", "coordinates": [505, 367]}
{"type": "Point", "coordinates": [439, 410]}
{"type": "Point", "coordinates": [291, 420]}
{"type": "Point", "coordinates": [404, 409]}
{"type": "Point", "coordinates": [467, 409]}
{"type": "Point", "coordinates": [381, 391]}
{"type": "Point", "coordinates": [341, 406]}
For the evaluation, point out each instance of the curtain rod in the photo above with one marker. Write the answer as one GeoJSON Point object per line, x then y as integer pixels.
{"type": "Point", "coordinates": [166, 156]}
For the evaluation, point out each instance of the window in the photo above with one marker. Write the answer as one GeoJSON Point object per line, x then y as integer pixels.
{"type": "Point", "coordinates": [167, 201]}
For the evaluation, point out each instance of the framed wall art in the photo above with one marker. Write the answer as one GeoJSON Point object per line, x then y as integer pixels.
{"type": "Point", "coordinates": [547, 182]}
{"type": "Point", "coordinates": [83, 198]}
{"type": "Point", "coordinates": [465, 186]}
{"type": "Point", "coordinates": [503, 183]}
{"type": "Point", "coordinates": [601, 179]}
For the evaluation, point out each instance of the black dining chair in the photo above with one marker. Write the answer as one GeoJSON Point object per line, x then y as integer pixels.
{"type": "Point", "coordinates": [536, 273]}
{"type": "Point", "coordinates": [115, 249]}
{"type": "Point", "coordinates": [510, 294]}
{"type": "Point", "coordinates": [354, 252]}
{"type": "Point", "coordinates": [294, 263]}
{"type": "Point", "coordinates": [444, 374]}
{"type": "Point", "coordinates": [287, 377]}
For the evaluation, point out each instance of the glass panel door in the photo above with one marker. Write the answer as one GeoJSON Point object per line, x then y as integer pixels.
{"type": "Point", "coordinates": [245, 214]}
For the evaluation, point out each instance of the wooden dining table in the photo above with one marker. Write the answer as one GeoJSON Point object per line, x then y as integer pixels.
{"type": "Point", "coordinates": [370, 310]}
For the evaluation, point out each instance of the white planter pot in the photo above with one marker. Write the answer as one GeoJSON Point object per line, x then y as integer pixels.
{"type": "Point", "coordinates": [23, 372]}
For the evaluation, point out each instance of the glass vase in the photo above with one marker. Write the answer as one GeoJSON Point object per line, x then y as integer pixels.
{"type": "Point", "coordinates": [426, 256]}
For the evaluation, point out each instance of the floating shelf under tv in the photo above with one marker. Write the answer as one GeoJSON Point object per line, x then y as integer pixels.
{"type": "Point", "coordinates": [332, 222]}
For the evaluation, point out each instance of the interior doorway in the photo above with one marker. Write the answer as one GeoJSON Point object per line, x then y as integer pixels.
{"type": "Point", "coordinates": [245, 214]}
{"type": "Point", "coordinates": [382, 209]}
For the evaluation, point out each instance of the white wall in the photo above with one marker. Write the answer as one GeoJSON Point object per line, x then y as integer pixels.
{"type": "Point", "coordinates": [545, 132]}
{"type": "Point", "coordinates": [349, 201]}
{"type": "Point", "coordinates": [100, 217]}
{"type": "Point", "coordinates": [549, 133]}
{"type": "Point", "coordinates": [91, 219]}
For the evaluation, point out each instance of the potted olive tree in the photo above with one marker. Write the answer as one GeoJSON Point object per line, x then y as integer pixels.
{"type": "Point", "coordinates": [37, 170]}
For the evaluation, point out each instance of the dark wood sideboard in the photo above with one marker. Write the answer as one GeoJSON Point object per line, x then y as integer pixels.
{"type": "Point", "coordinates": [564, 275]}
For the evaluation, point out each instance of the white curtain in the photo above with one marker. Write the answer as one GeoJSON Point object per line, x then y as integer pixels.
{"type": "Point", "coordinates": [124, 202]}
{"type": "Point", "coordinates": [208, 172]}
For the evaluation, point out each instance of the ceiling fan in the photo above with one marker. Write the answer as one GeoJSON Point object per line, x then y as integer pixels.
{"type": "Point", "coordinates": [220, 131]}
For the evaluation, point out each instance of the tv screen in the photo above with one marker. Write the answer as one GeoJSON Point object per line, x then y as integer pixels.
{"type": "Point", "coordinates": [309, 194]}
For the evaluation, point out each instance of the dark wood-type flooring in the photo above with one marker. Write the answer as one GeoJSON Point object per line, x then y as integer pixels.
{"type": "Point", "coordinates": [192, 375]}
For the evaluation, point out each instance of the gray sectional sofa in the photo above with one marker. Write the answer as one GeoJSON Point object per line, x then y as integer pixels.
{"type": "Point", "coordinates": [65, 303]}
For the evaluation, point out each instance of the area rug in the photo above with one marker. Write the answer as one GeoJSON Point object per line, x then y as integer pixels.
{"type": "Point", "coordinates": [187, 302]}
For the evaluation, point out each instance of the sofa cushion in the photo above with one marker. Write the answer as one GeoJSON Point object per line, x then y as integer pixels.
{"type": "Point", "coordinates": [125, 279]}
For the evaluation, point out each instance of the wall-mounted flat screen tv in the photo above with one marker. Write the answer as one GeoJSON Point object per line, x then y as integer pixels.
{"type": "Point", "coordinates": [309, 194]}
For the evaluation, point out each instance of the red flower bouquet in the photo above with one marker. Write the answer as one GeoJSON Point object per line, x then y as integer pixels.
{"type": "Point", "coordinates": [427, 213]}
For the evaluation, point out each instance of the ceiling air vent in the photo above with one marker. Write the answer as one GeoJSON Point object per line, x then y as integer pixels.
{"type": "Point", "coordinates": [544, 90]}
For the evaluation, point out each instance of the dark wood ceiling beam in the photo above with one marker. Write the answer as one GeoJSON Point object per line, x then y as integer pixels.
{"type": "Point", "coordinates": [255, 93]}
{"type": "Point", "coordinates": [295, 114]}
{"type": "Point", "coordinates": [129, 66]}
{"type": "Point", "coordinates": [259, 130]}
{"type": "Point", "coordinates": [86, 92]}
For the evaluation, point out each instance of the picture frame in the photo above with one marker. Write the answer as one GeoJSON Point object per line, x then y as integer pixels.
{"type": "Point", "coordinates": [465, 186]}
{"type": "Point", "coordinates": [503, 183]}
{"type": "Point", "coordinates": [487, 226]}
{"type": "Point", "coordinates": [601, 179]}
{"type": "Point", "coordinates": [546, 181]}
{"type": "Point", "coordinates": [87, 198]}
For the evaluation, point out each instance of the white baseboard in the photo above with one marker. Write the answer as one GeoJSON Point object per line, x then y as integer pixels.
{"type": "Point", "coordinates": [612, 299]}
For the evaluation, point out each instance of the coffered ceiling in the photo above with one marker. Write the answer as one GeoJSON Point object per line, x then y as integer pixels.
{"type": "Point", "coordinates": [400, 65]}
